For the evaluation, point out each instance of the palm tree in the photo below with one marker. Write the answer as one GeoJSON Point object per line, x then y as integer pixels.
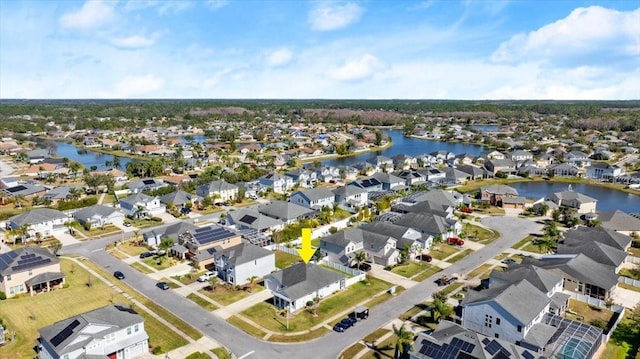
{"type": "Point", "coordinates": [139, 212]}
{"type": "Point", "coordinates": [404, 341]}
{"type": "Point", "coordinates": [439, 310]}
{"type": "Point", "coordinates": [360, 257]}
{"type": "Point", "coordinates": [18, 200]}
{"type": "Point", "coordinates": [252, 282]}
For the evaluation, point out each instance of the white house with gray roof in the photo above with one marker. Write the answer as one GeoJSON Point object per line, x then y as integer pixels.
{"type": "Point", "coordinates": [109, 332]}
{"type": "Point", "coordinates": [251, 219]}
{"type": "Point", "coordinates": [351, 196]}
{"type": "Point", "coordinates": [220, 191]}
{"type": "Point", "coordinates": [620, 222]}
{"type": "Point", "coordinates": [140, 205]}
{"type": "Point", "coordinates": [41, 222]}
{"type": "Point", "coordinates": [238, 264]}
{"type": "Point", "coordinates": [575, 200]}
{"type": "Point", "coordinates": [294, 286]}
{"type": "Point", "coordinates": [97, 215]}
{"type": "Point", "coordinates": [315, 198]}
{"type": "Point", "coordinates": [286, 211]}
{"type": "Point", "coordinates": [277, 182]}
{"type": "Point", "coordinates": [341, 247]}
{"type": "Point", "coordinates": [29, 269]}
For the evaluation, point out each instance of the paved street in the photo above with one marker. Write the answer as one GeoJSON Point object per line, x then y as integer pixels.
{"type": "Point", "coordinates": [329, 346]}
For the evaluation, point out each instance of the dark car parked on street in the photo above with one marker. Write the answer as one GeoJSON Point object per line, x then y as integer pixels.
{"type": "Point", "coordinates": [118, 275]}
{"type": "Point", "coordinates": [162, 285]}
{"type": "Point", "coordinates": [340, 327]}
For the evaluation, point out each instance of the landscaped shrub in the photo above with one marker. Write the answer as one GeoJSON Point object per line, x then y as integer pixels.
{"type": "Point", "coordinates": [2, 296]}
{"type": "Point", "coordinates": [157, 350]}
{"type": "Point", "coordinates": [156, 219]}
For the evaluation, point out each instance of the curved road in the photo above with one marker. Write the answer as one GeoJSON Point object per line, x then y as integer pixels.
{"type": "Point", "coordinates": [329, 346]}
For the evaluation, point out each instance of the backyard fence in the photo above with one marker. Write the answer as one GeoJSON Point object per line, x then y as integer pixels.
{"type": "Point", "coordinates": [632, 259]}
{"type": "Point", "coordinates": [629, 281]}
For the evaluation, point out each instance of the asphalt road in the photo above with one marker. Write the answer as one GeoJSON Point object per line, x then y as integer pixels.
{"type": "Point", "coordinates": [241, 344]}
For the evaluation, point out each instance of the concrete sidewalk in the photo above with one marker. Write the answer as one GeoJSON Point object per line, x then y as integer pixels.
{"type": "Point", "coordinates": [391, 277]}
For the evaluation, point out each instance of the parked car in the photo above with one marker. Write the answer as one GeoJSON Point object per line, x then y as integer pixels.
{"type": "Point", "coordinates": [466, 210]}
{"type": "Point", "coordinates": [340, 327]}
{"type": "Point", "coordinates": [144, 255]}
{"type": "Point", "coordinates": [349, 322]}
{"type": "Point", "coordinates": [185, 210]}
{"type": "Point", "coordinates": [361, 313]}
{"type": "Point", "coordinates": [163, 285]}
{"type": "Point", "coordinates": [365, 267]}
{"type": "Point", "coordinates": [118, 275]}
{"type": "Point", "coordinates": [445, 280]}
{"type": "Point", "coordinates": [206, 276]}
{"type": "Point", "coordinates": [455, 241]}
{"type": "Point", "coordinates": [509, 261]}
{"type": "Point", "coordinates": [127, 224]}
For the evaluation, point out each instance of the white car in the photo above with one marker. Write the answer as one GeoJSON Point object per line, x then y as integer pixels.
{"type": "Point", "coordinates": [206, 276]}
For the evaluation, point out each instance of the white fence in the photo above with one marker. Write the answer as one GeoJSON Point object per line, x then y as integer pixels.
{"type": "Point", "coordinates": [629, 281]}
{"type": "Point", "coordinates": [351, 271]}
{"type": "Point", "coordinates": [587, 299]}
{"type": "Point", "coordinates": [632, 259]}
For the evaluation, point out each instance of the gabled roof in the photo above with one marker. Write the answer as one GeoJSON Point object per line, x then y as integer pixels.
{"type": "Point", "coordinates": [343, 238]}
{"type": "Point", "coordinates": [428, 223]}
{"type": "Point", "coordinates": [302, 279]}
{"type": "Point", "coordinates": [421, 207]}
{"type": "Point", "coordinates": [61, 192]}
{"type": "Point", "coordinates": [315, 194]}
{"type": "Point", "coordinates": [348, 191]}
{"type": "Point", "coordinates": [572, 196]}
{"type": "Point", "coordinates": [36, 216]}
{"type": "Point", "coordinates": [499, 189]}
{"type": "Point", "coordinates": [597, 251]}
{"type": "Point", "coordinates": [27, 258]}
{"type": "Point", "coordinates": [218, 186]}
{"type": "Point", "coordinates": [177, 198]}
{"type": "Point", "coordinates": [579, 267]}
{"type": "Point", "coordinates": [521, 300]}
{"type": "Point", "coordinates": [253, 219]}
{"type": "Point", "coordinates": [171, 231]}
{"type": "Point", "coordinates": [541, 278]}
{"type": "Point", "coordinates": [597, 234]}
{"type": "Point", "coordinates": [285, 210]}
{"type": "Point", "coordinates": [23, 190]}
{"type": "Point", "coordinates": [275, 177]}
{"type": "Point", "coordinates": [387, 178]}
{"type": "Point", "coordinates": [439, 196]}
{"type": "Point", "coordinates": [619, 221]}
{"type": "Point", "coordinates": [74, 333]}
{"type": "Point", "coordinates": [137, 198]}
{"type": "Point", "coordinates": [95, 210]}
{"type": "Point", "coordinates": [243, 253]}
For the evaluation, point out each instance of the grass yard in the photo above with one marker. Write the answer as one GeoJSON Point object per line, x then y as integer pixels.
{"type": "Point", "coordinates": [442, 251]}
{"type": "Point", "coordinates": [412, 312]}
{"type": "Point", "coordinates": [172, 284]}
{"type": "Point", "coordinates": [246, 327]}
{"type": "Point", "coordinates": [117, 254]}
{"type": "Point", "coordinates": [492, 211]}
{"type": "Point", "coordinates": [198, 355]}
{"type": "Point", "coordinates": [143, 223]}
{"type": "Point", "coordinates": [159, 263]}
{"type": "Point", "coordinates": [385, 349]}
{"type": "Point", "coordinates": [531, 247]}
{"type": "Point", "coordinates": [351, 351]}
{"type": "Point", "coordinates": [384, 297]}
{"type": "Point", "coordinates": [267, 316]}
{"type": "Point", "coordinates": [634, 251]}
{"type": "Point", "coordinates": [587, 312]}
{"type": "Point", "coordinates": [202, 302]}
{"type": "Point", "coordinates": [628, 286]}
{"type": "Point", "coordinates": [409, 269]}
{"type": "Point", "coordinates": [625, 272]}
{"type": "Point", "coordinates": [479, 234]}
{"type": "Point", "coordinates": [278, 338]}
{"type": "Point", "coordinates": [432, 270]}
{"type": "Point", "coordinates": [501, 256]}
{"type": "Point", "coordinates": [225, 294]}
{"type": "Point", "coordinates": [377, 334]}
{"type": "Point", "coordinates": [625, 340]}
{"type": "Point", "coordinates": [459, 256]}
{"type": "Point", "coordinates": [451, 288]}
{"type": "Point", "coordinates": [284, 260]}
{"type": "Point", "coordinates": [96, 232]}
{"type": "Point", "coordinates": [526, 240]}
{"type": "Point", "coordinates": [188, 278]}
{"type": "Point", "coordinates": [142, 268]}
{"type": "Point", "coordinates": [221, 353]}
{"type": "Point", "coordinates": [481, 269]}
{"type": "Point", "coordinates": [132, 249]}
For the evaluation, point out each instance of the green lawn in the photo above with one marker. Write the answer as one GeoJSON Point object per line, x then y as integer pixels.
{"type": "Point", "coordinates": [159, 263]}
{"type": "Point", "coordinates": [409, 269]}
{"type": "Point", "coordinates": [442, 251]}
{"type": "Point", "coordinates": [131, 249]}
{"type": "Point", "coordinates": [109, 229]}
{"type": "Point", "coordinates": [284, 260]}
{"type": "Point", "coordinates": [479, 234]}
{"type": "Point", "coordinates": [267, 316]}
{"type": "Point", "coordinates": [628, 286]}
{"type": "Point", "coordinates": [530, 247]}
{"type": "Point", "coordinates": [634, 251]}
{"type": "Point", "coordinates": [625, 340]}
{"type": "Point", "coordinates": [501, 256]}
{"type": "Point", "coordinates": [16, 312]}
{"type": "Point", "coordinates": [143, 223]}
{"type": "Point", "coordinates": [481, 269]}
{"type": "Point", "coordinates": [141, 267]}
{"type": "Point", "coordinates": [279, 338]}
{"type": "Point", "coordinates": [246, 327]}
{"type": "Point", "coordinates": [384, 297]}
{"type": "Point", "coordinates": [188, 278]}
{"type": "Point", "coordinates": [459, 256]}
{"type": "Point", "coordinates": [351, 351]}
{"type": "Point", "coordinates": [526, 240]}
{"type": "Point", "coordinates": [202, 302]}
{"type": "Point", "coordinates": [226, 295]}
{"type": "Point", "coordinates": [630, 273]}
{"type": "Point", "coordinates": [377, 334]}
{"type": "Point", "coordinates": [426, 274]}
{"type": "Point", "coordinates": [451, 288]}
{"type": "Point", "coordinates": [385, 349]}
{"type": "Point", "coordinates": [587, 312]}
{"type": "Point", "coordinates": [198, 355]}
{"type": "Point", "coordinates": [221, 353]}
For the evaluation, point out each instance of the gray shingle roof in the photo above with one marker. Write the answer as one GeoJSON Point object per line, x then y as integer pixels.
{"type": "Point", "coordinates": [541, 278]}
{"type": "Point", "coordinates": [178, 198]}
{"type": "Point", "coordinates": [316, 194]}
{"type": "Point", "coordinates": [597, 251]}
{"type": "Point", "coordinates": [137, 198]}
{"type": "Point", "coordinates": [348, 191]}
{"type": "Point", "coordinates": [243, 253]}
{"type": "Point", "coordinates": [581, 268]}
{"type": "Point", "coordinates": [302, 279]}
{"type": "Point", "coordinates": [86, 213]}
{"type": "Point", "coordinates": [217, 186]}
{"type": "Point", "coordinates": [36, 216]}
{"type": "Point", "coordinates": [597, 234]}
{"type": "Point", "coordinates": [253, 219]}
{"type": "Point", "coordinates": [499, 189]}
{"type": "Point", "coordinates": [426, 223]}
{"type": "Point", "coordinates": [619, 221]}
{"type": "Point", "coordinates": [285, 210]}
{"type": "Point", "coordinates": [572, 196]}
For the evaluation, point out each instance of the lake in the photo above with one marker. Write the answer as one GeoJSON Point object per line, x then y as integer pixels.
{"type": "Point", "coordinates": [608, 199]}
{"type": "Point", "coordinates": [86, 158]}
{"type": "Point", "coordinates": [409, 146]}
{"type": "Point", "coordinates": [485, 128]}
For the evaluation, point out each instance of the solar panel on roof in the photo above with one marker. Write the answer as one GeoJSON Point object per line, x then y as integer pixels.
{"type": "Point", "coordinates": [468, 347]}
{"type": "Point", "coordinates": [65, 333]}
{"type": "Point", "coordinates": [248, 219]}
{"type": "Point", "coordinates": [527, 355]}
{"type": "Point", "coordinates": [493, 347]}
{"type": "Point", "coordinates": [486, 341]}
{"type": "Point", "coordinates": [148, 181]}
{"type": "Point", "coordinates": [16, 189]}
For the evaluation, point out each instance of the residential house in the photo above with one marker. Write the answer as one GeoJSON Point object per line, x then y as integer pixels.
{"type": "Point", "coordinates": [505, 166]}
{"type": "Point", "coordinates": [425, 207]}
{"type": "Point", "coordinates": [277, 182]}
{"type": "Point", "coordinates": [581, 274]}
{"type": "Point", "coordinates": [140, 205]}
{"type": "Point", "coordinates": [242, 263]}
{"type": "Point", "coordinates": [8, 182]}
{"type": "Point", "coordinates": [411, 177]}
{"type": "Point", "coordinates": [250, 219]}
{"type": "Point", "coordinates": [369, 184]}
{"type": "Point", "coordinates": [443, 156]}
{"type": "Point", "coordinates": [390, 182]}
{"type": "Point", "coordinates": [492, 155]}
{"type": "Point", "coordinates": [286, 211]}
{"type": "Point", "coordinates": [575, 200]}
{"type": "Point", "coordinates": [25, 191]}
{"type": "Point", "coordinates": [602, 234]}
{"type": "Point", "coordinates": [40, 222]}
{"type": "Point", "coordinates": [447, 200]}
{"type": "Point", "coordinates": [495, 194]}
{"type": "Point", "coordinates": [303, 178]}
{"type": "Point", "coordinates": [433, 174]}
{"type": "Point", "coordinates": [454, 175]}
{"type": "Point", "coordinates": [341, 247]}
{"type": "Point", "coordinates": [431, 224]}
{"type": "Point", "coordinates": [348, 173]}
{"type": "Point", "coordinates": [179, 198]}
{"type": "Point", "coordinates": [620, 222]}
{"type": "Point", "coordinates": [597, 251]}
{"type": "Point", "coordinates": [154, 237]}
{"type": "Point", "coordinates": [563, 170]}
{"type": "Point", "coordinates": [62, 193]}
{"type": "Point", "coordinates": [406, 237]}
{"type": "Point", "coordinates": [296, 285]}
{"type": "Point", "coordinates": [351, 196]}
{"type": "Point", "coordinates": [404, 162]}
{"type": "Point", "coordinates": [29, 270]}
{"type": "Point", "coordinates": [473, 172]}
{"type": "Point", "coordinates": [328, 174]}
{"type": "Point", "coordinates": [315, 198]}
{"type": "Point", "coordinates": [603, 170]}
{"type": "Point", "coordinates": [97, 216]}
{"type": "Point", "coordinates": [37, 155]}
{"type": "Point", "coordinates": [219, 191]}
{"type": "Point", "coordinates": [203, 242]}
{"type": "Point", "coordinates": [464, 159]}
{"type": "Point", "coordinates": [146, 184]}
{"type": "Point", "coordinates": [381, 163]}
{"type": "Point", "coordinates": [532, 171]}
{"type": "Point", "coordinates": [577, 158]}
{"type": "Point", "coordinates": [520, 155]}
{"type": "Point", "coordinates": [113, 331]}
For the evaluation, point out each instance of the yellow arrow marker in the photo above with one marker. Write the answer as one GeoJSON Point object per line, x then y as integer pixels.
{"type": "Point", "coordinates": [306, 252]}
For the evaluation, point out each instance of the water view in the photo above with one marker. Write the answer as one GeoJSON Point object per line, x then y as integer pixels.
{"type": "Point", "coordinates": [486, 128]}
{"type": "Point", "coordinates": [87, 158]}
{"type": "Point", "coordinates": [608, 199]}
{"type": "Point", "coordinates": [409, 146]}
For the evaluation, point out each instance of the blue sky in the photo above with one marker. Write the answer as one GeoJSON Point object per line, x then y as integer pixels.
{"type": "Point", "coordinates": [376, 49]}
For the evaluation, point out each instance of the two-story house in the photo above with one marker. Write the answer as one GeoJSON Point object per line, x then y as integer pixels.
{"type": "Point", "coordinates": [97, 215]}
{"type": "Point", "coordinates": [219, 191]}
{"type": "Point", "coordinates": [603, 170]}
{"type": "Point", "coordinates": [341, 247]}
{"type": "Point", "coordinates": [351, 196]}
{"type": "Point", "coordinates": [286, 212]}
{"type": "Point", "coordinates": [404, 162]}
{"type": "Point", "coordinates": [303, 178]}
{"type": "Point", "coordinates": [203, 242]}
{"type": "Point", "coordinates": [140, 205]}
{"type": "Point", "coordinates": [577, 158]}
{"type": "Point", "coordinates": [411, 177]}
{"type": "Point", "coordinates": [315, 198]}
{"type": "Point", "coordinates": [389, 181]}
{"type": "Point", "coordinates": [242, 263]}
{"type": "Point", "coordinates": [575, 200]}
{"type": "Point", "coordinates": [277, 182]}
{"type": "Point", "coordinates": [29, 270]}
{"type": "Point", "coordinates": [381, 163]}
{"type": "Point", "coordinates": [39, 222]}
{"type": "Point", "coordinates": [494, 194]}
{"type": "Point", "coordinates": [246, 218]}
{"type": "Point", "coordinates": [113, 331]}
{"type": "Point", "coordinates": [520, 155]}
{"type": "Point", "coordinates": [369, 184]}
{"type": "Point", "coordinates": [431, 224]}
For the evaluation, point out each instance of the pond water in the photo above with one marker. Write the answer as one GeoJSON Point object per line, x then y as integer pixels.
{"type": "Point", "coordinates": [608, 199]}
{"type": "Point", "coordinates": [486, 128]}
{"type": "Point", "coordinates": [409, 146]}
{"type": "Point", "coordinates": [87, 158]}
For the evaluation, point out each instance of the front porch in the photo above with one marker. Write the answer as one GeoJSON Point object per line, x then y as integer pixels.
{"type": "Point", "coordinates": [45, 282]}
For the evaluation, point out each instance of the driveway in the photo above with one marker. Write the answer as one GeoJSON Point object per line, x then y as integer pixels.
{"type": "Point", "coordinates": [626, 298]}
{"type": "Point", "coordinates": [512, 230]}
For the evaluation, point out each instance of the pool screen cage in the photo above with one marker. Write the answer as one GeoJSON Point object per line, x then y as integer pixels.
{"type": "Point", "coordinates": [572, 339]}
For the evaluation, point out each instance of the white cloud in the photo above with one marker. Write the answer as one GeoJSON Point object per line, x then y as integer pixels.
{"type": "Point", "coordinates": [585, 31]}
{"type": "Point", "coordinates": [216, 4]}
{"type": "Point", "coordinates": [326, 18]}
{"type": "Point", "coordinates": [133, 42]}
{"type": "Point", "coordinates": [357, 69]}
{"type": "Point", "coordinates": [279, 57]}
{"type": "Point", "coordinates": [92, 14]}
{"type": "Point", "coordinates": [162, 6]}
{"type": "Point", "coordinates": [132, 86]}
